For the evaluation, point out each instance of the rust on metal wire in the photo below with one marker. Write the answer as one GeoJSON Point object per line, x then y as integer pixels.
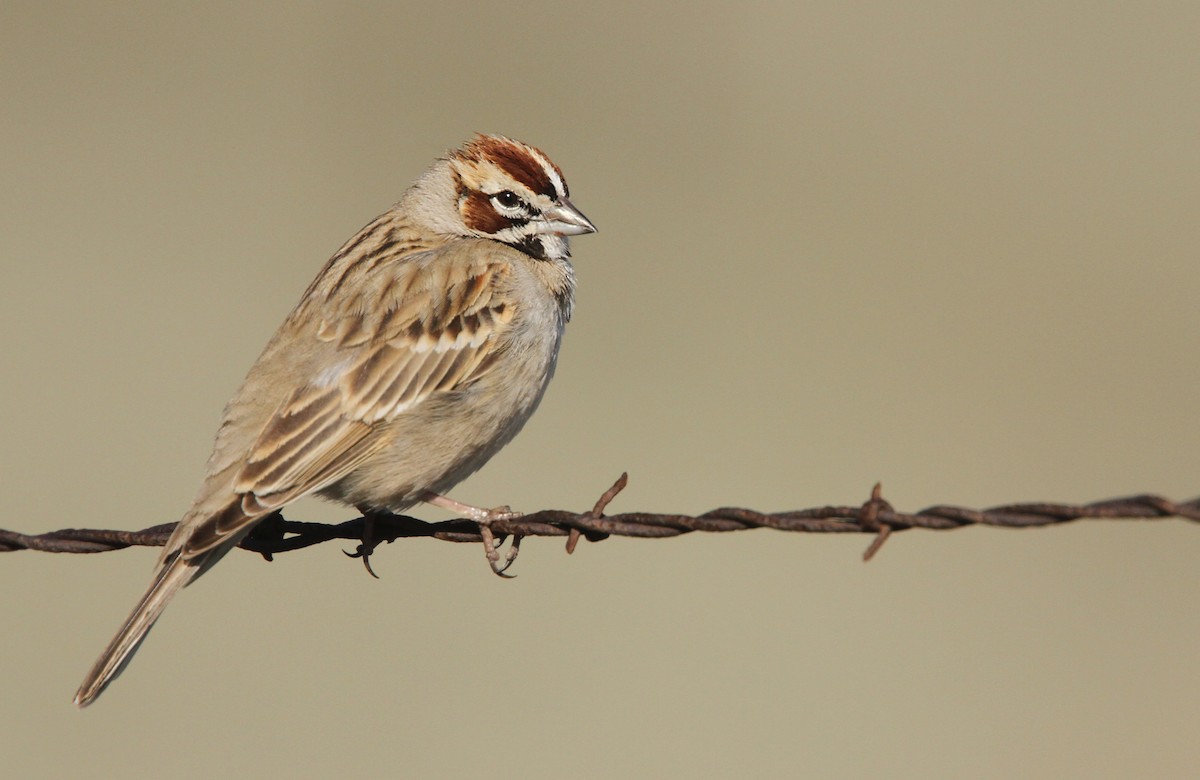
{"type": "Point", "coordinates": [875, 516]}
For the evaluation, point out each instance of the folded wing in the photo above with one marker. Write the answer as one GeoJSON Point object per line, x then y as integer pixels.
{"type": "Point", "coordinates": [430, 327]}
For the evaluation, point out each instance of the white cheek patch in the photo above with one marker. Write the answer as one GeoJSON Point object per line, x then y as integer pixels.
{"type": "Point", "coordinates": [555, 247]}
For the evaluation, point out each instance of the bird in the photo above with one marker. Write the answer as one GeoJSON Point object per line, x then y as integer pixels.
{"type": "Point", "coordinates": [420, 349]}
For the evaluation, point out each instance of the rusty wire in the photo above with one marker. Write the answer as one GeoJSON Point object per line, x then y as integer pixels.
{"type": "Point", "coordinates": [876, 516]}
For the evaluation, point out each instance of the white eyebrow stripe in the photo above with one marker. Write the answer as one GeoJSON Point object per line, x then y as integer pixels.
{"type": "Point", "coordinates": [555, 179]}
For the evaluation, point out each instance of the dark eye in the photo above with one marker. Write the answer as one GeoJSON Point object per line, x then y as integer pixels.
{"type": "Point", "coordinates": [508, 199]}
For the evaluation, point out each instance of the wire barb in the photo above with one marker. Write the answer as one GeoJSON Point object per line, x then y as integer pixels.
{"type": "Point", "coordinates": [868, 518]}
{"type": "Point", "coordinates": [275, 534]}
{"type": "Point", "coordinates": [598, 512]}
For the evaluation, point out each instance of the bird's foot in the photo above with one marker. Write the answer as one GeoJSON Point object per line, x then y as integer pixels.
{"type": "Point", "coordinates": [491, 549]}
{"type": "Point", "coordinates": [485, 517]}
{"type": "Point", "coordinates": [369, 541]}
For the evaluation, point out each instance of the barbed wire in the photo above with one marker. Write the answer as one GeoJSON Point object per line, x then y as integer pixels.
{"type": "Point", "coordinates": [875, 516]}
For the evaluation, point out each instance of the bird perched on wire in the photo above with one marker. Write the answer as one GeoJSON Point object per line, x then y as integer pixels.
{"type": "Point", "coordinates": [420, 349]}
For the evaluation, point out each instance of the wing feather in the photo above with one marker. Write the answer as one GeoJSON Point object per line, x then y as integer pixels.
{"type": "Point", "coordinates": [431, 328]}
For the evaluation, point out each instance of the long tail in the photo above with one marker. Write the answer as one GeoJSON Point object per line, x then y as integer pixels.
{"type": "Point", "coordinates": [170, 578]}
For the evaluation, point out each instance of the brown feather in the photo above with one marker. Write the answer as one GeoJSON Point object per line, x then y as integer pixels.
{"type": "Point", "coordinates": [328, 426]}
{"type": "Point", "coordinates": [418, 351]}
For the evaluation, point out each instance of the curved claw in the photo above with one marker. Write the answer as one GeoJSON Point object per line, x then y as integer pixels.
{"type": "Point", "coordinates": [367, 547]}
{"type": "Point", "coordinates": [491, 551]}
{"type": "Point", "coordinates": [509, 557]}
{"type": "Point", "coordinates": [365, 554]}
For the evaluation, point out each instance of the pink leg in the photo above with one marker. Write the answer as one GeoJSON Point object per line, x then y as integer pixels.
{"type": "Point", "coordinates": [478, 514]}
{"type": "Point", "coordinates": [483, 517]}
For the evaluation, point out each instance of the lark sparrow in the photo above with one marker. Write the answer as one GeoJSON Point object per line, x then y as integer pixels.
{"type": "Point", "coordinates": [420, 350]}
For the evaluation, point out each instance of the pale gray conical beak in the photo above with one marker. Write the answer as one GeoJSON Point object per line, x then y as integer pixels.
{"type": "Point", "coordinates": [565, 220]}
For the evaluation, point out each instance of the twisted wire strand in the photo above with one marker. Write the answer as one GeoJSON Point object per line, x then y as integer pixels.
{"type": "Point", "coordinates": [876, 516]}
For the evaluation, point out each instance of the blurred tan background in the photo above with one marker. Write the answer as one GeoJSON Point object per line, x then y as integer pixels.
{"type": "Point", "coordinates": [953, 249]}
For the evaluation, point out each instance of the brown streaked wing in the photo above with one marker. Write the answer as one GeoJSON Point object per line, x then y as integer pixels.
{"type": "Point", "coordinates": [430, 329]}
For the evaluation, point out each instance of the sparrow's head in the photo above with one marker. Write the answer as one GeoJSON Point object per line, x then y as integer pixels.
{"type": "Point", "coordinates": [510, 192]}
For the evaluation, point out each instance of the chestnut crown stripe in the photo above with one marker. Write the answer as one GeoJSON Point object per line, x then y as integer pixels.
{"type": "Point", "coordinates": [526, 164]}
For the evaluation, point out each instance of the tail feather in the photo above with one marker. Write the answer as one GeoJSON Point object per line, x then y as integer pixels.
{"type": "Point", "coordinates": [170, 578]}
